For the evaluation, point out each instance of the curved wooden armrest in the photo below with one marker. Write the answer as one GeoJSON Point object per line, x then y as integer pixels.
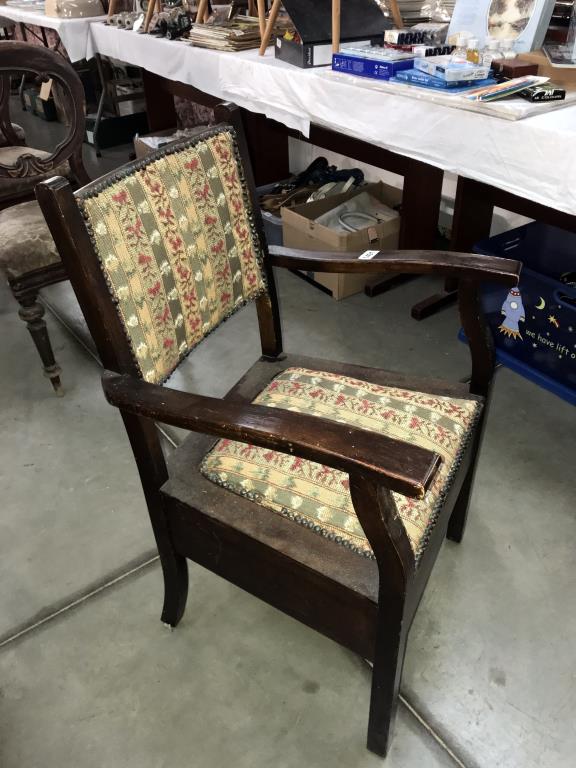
{"type": "Point", "coordinates": [399, 466]}
{"type": "Point", "coordinates": [462, 265]}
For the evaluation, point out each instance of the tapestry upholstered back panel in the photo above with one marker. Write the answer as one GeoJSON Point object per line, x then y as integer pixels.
{"type": "Point", "coordinates": [177, 245]}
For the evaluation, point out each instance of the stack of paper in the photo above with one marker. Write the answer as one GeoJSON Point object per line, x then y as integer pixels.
{"type": "Point", "coordinates": [239, 34]}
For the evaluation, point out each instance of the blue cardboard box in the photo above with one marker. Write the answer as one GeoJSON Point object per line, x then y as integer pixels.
{"type": "Point", "coordinates": [377, 69]}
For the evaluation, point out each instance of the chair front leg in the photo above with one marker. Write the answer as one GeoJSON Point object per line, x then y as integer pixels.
{"type": "Point", "coordinates": [32, 312]}
{"type": "Point", "coordinates": [378, 516]}
{"type": "Point", "coordinates": [391, 636]}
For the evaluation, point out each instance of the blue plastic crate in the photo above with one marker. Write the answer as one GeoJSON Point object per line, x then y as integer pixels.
{"type": "Point", "coordinates": [534, 327]}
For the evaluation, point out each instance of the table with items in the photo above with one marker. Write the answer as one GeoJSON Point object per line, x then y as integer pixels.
{"type": "Point", "coordinates": [73, 33]}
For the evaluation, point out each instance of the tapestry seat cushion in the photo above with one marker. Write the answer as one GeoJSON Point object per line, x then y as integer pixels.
{"type": "Point", "coordinates": [25, 241]}
{"type": "Point", "coordinates": [17, 186]}
{"type": "Point", "coordinates": [317, 496]}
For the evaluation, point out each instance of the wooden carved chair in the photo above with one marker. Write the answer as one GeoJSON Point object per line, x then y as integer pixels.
{"type": "Point", "coordinates": [28, 256]}
{"type": "Point", "coordinates": [330, 487]}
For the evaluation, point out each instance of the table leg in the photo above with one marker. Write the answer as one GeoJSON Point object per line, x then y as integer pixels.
{"type": "Point", "coordinates": [273, 164]}
{"type": "Point", "coordinates": [23, 80]}
{"type": "Point", "coordinates": [420, 211]}
{"type": "Point", "coordinates": [473, 211]}
{"type": "Point", "coordinates": [159, 103]}
{"type": "Point", "coordinates": [101, 103]}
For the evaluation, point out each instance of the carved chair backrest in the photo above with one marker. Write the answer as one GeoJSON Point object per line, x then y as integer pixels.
{"type": "Point", "coordinates": [22, 58]}
{"type": "Point", "coordinates": [171, 246]}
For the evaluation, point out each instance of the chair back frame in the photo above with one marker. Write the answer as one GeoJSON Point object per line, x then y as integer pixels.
{"type": "Point", "coordinates": [23, 58]}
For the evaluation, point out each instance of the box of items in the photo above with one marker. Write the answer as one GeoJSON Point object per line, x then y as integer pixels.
{"type": "Point", "coordinates": [534, 325]}
{"type": "Point", "coordinates": [361, 21]}
{"type": "Point", "coordinates": [366, 218]}
{"type": "Point", "coordinates": [444, 68]}
{"type": "Point", "coordinates": [370, 61]}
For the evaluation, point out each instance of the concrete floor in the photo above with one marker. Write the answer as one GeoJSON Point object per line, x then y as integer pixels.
{"type": "Point", "coordinates": [91, 678]}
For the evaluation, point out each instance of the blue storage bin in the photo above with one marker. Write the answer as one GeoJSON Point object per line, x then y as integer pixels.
{"type": "Point", "coordinates": [534, 326]}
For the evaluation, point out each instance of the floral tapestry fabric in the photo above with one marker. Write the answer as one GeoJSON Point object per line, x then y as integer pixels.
{"type": "Point", "coordinates": [317, 496]}
{"type": "Point", "coordinates": [177, 248]}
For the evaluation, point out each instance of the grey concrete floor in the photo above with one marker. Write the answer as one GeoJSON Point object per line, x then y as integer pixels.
{"type": "Point", "coordinates": [89, 677]}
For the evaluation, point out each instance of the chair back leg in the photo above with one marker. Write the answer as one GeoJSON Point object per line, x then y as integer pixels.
{"type": "Point", "coordinates": [459, 515]}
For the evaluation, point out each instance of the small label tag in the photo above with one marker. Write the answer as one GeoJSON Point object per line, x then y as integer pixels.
{"type": "Point", "coordinates": [367, 255]}
{"type": "Point", "coordinates": [45, 90]}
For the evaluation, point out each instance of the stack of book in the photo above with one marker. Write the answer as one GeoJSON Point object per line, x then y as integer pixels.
{"type": "Point", "coordinates": [239, 34]}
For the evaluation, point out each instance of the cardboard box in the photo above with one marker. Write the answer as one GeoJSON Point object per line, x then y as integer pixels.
{"type": "Point", "coordinates": [300, 230]}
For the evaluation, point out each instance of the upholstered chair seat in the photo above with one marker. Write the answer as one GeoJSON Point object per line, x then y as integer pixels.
{"type": "Point", "coordinates": [318, 497]}
{"type": "Point", "coordinates": [25, 241]}
{"type": "Point", "coordinates": [17, 187]}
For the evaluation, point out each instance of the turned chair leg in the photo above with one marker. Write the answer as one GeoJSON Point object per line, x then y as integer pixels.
{"type": "Point", "coordinates": [386, 676]}
{"type": "Point", "coordinates": [32, 312]}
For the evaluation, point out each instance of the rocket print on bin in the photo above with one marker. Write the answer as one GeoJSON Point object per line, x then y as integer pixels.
{"type": "Point", "coordinates": [513, 311]}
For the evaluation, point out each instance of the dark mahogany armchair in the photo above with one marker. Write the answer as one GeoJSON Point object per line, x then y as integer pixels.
{"type": "Point", "coordinates": [310, 478]}
{"type": "Point", "coordinates": [28, 257]}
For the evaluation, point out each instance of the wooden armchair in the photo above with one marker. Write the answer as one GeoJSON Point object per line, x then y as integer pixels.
{"type": "Point", "coordinates": [28, 256]}
{"type": "Point", "coordinates": [332, 486]}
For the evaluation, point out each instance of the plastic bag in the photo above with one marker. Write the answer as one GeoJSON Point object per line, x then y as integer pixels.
{"type": "Point", "coordinates": [437, 10]}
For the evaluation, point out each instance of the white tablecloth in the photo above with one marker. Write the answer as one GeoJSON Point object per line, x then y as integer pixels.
{"type": "Point", "coordinates": [74, 33]}
{"type": "Point", "coordinates": [533, 158]}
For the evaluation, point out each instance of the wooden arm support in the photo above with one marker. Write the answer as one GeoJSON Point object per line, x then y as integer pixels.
{"type": "Point", "coordinates": [461, 265]}
{"type": "Point", "coordinates": [399, 466]}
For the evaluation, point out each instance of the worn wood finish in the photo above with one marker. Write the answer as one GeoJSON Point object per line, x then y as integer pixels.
{"type": "Point", "coordinates": [366, 605]}
{"type": "Point", "coordinates": [403, 468]}
{"type": "Point", "coordinates": [463, 265]}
